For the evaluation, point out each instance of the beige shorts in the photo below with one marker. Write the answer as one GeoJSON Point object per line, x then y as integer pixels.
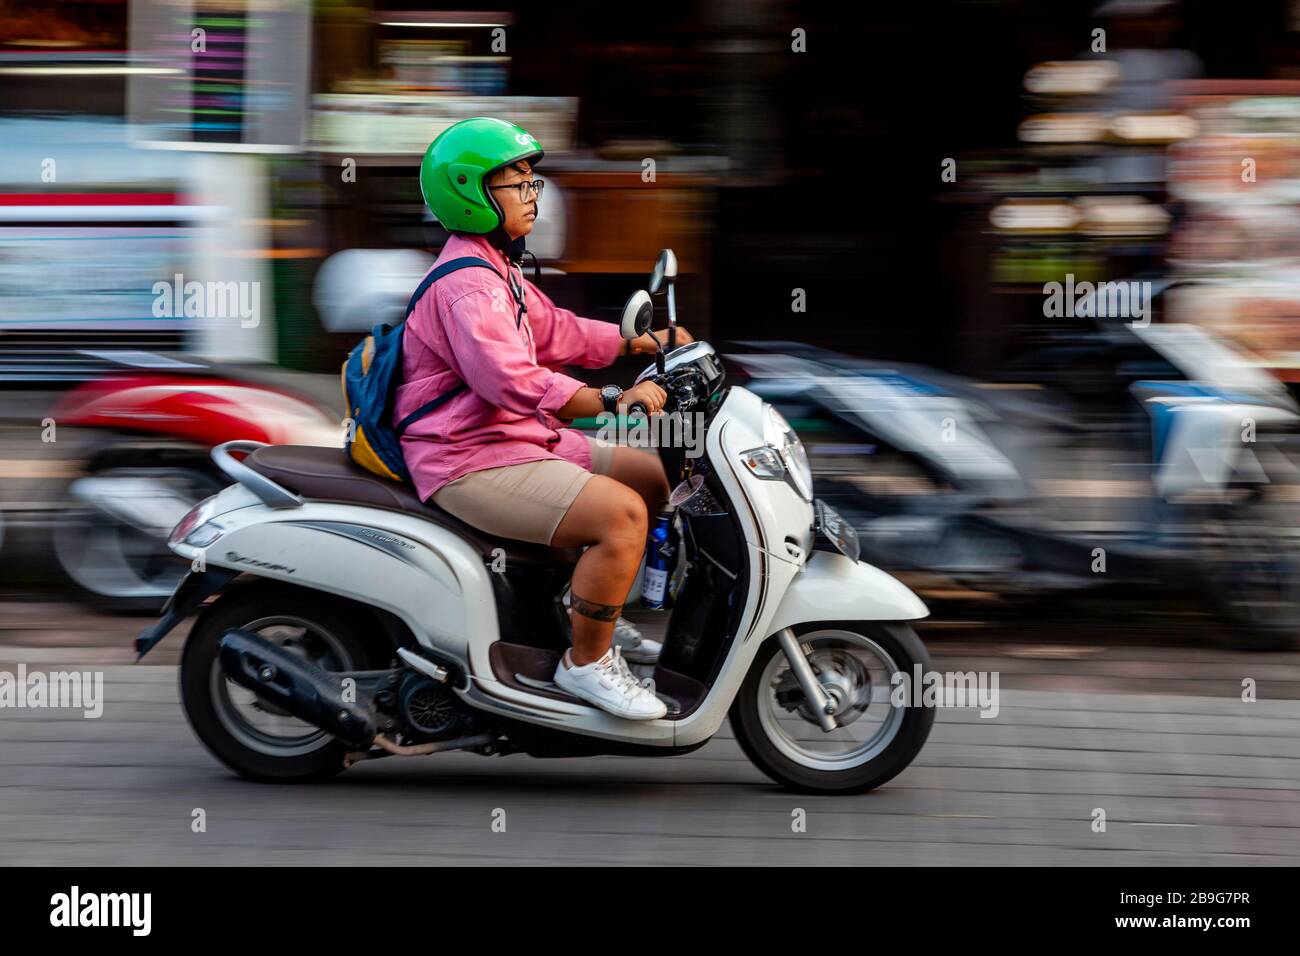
{"type": "Point", "coordinates": [525, 502]}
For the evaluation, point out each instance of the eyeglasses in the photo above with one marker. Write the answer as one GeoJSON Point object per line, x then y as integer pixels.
{"type": "Point", "coordinates": [526, 188]}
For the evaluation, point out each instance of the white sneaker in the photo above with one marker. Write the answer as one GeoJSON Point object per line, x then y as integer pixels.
{"type": "Point", "coordinates": [634, 647]}
{"type": "Point", "coordinates": [609, 685]}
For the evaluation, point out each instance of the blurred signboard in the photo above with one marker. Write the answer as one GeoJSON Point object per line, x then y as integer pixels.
{"type": "Point", "coordinates": [90, 260]}
{"type": "Point", "coordinates": [370, 124]}
{"type": "Point", "coordinates": [93, 234]}
{"type": "Point", "coordinates": [1239, 233]}
{"type": "Point", "coordinates": [216, 75]}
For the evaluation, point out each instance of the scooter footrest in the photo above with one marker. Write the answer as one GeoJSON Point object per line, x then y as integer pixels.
{"type": "Point", "coordinates": [673, 706]}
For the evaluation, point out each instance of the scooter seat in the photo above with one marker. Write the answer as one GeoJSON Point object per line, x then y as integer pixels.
{"type": "Point", "coordinates": [328, 474]}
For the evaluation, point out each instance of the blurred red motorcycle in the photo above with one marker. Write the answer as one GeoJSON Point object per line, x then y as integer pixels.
{"type": "Point", "coordinates": [149, 463]}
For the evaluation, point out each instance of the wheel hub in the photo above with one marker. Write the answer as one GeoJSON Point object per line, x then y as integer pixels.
{"type": "Point", "coordinates": [849, 666]}
{"type": "Point", "coordinates": [844, 679]}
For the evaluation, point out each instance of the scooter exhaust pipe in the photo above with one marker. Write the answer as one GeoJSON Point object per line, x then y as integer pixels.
{"type": "Point", "coordinates": [304, 690]}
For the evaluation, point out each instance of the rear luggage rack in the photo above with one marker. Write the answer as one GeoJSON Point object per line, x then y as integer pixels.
{"type": "Point", "coordinates": [267, 490]}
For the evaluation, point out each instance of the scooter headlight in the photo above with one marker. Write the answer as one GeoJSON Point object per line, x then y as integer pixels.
{"type": "Point", "coordinates": [786, 442]}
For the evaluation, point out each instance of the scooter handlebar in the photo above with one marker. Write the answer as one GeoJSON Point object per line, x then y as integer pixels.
{"type": "Point", "coordinates": [639, 408]}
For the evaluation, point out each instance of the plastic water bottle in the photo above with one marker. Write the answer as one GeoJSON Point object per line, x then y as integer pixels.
{"type": "Point", "coordinates": [654, 586]}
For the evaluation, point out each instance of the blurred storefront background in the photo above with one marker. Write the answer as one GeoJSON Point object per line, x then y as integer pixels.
{"type": "Point", "coordinates": [772, 145]}
{"type": "Point", "coordinates": [897, 182]}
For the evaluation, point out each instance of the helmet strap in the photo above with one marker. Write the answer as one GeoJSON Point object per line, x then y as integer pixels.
{"type": "Point", "coordinates": [513, 249]}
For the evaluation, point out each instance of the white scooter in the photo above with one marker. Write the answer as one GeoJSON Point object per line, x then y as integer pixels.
{"type": "Point", "coordinates": [356, 621]}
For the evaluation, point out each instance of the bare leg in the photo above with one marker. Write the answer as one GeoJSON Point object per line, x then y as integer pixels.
{"type": "Point", "coordinates": [609, 519]}
{"type": "Point", "coordinates": [643, 472]}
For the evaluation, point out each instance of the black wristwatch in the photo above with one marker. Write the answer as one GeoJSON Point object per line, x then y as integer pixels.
{"type": "Point", "coordinates": [609, 396]}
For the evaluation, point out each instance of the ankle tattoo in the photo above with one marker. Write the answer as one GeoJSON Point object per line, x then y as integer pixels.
{"type": "Point", "coordinates": [597, 612]}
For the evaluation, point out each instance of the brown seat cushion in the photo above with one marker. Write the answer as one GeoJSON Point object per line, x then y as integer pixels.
{"type": "Point", "coordinates": [328, 474]}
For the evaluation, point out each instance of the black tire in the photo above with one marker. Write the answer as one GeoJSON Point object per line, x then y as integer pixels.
{"type": "Point", "coordinates": [906, 649]}
{"type": "Point", "coordinates": [345, 625]}
{"type": "Point", "coordinates": [1252, 579]}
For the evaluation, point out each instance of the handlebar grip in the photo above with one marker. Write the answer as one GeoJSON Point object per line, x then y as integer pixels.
{"type": "Point", "coordinates": [637, 408]}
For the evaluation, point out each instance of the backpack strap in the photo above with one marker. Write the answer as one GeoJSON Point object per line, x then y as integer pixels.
{"type": "Point", "coordinates": [430, 406]}
{"type": "Point", "coordinates": [448, 267]}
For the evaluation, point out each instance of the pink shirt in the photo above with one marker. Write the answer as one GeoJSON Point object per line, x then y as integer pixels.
{"type": "Point", "coordinates": [463, 330]}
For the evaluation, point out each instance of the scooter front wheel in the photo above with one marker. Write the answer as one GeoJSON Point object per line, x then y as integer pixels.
{"type": "Point", "coordinates": [854, 662]}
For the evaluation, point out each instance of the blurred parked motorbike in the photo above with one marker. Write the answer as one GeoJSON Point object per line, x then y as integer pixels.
{"type": "Point", "coordinates": [149, 463]}
{"type": "Point", "coordinates": [1119, 455]}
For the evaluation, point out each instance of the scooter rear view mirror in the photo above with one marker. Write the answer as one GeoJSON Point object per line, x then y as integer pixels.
{"type": "Point", "coordinates": [638, 313]}
{"type": "Point", "coordinates": [665, 270]}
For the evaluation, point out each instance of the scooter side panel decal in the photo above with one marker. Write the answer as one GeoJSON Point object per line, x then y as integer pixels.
{"type": "Point", "coordinates": [389, 544]}
{"type": "Point", "coordinates": [443, 593]}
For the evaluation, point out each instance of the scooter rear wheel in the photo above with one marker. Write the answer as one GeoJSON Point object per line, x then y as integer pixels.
{"type": "Point", "coordinates": [250, 737]}
{"type": "Point", "coordinates": [854, 662]}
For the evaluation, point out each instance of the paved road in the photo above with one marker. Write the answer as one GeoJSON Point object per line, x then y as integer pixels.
{"type": "Point", "coordinates": [1155, 734]}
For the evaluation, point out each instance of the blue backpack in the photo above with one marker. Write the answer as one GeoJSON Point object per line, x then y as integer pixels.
{"type": "Point", "coordinates": [371, 374]}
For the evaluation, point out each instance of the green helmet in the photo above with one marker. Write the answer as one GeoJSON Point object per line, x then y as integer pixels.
{"type": "Point", "coordinates": [459, 161]}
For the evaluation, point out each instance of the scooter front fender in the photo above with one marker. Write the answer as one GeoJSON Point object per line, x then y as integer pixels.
{"type": "Point", "coordinates": [833, 588]}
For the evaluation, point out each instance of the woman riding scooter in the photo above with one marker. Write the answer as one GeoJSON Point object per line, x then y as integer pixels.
{"type": "Point", "coordinates": [496, 453]}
